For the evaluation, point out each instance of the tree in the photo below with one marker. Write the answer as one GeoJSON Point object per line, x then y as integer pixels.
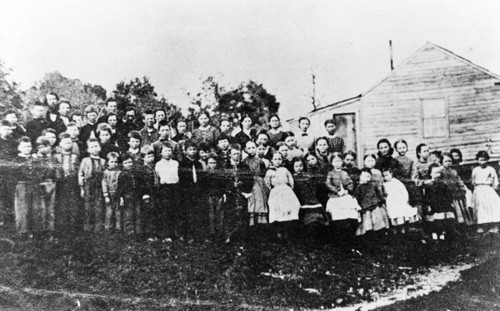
{"type": "Point", "coordinates": [10, 96]}
{"type": "Point", "coordinates": [78, 93]}
{"type": "Point", "coordinates": [249, 98]}
{"type": "Point", "coordinates": [141, 94]}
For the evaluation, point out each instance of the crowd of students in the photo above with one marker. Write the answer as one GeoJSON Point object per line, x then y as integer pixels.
{"type": "Point", "coordinates": [140, 176]}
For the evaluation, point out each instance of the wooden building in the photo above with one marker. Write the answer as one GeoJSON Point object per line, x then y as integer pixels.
{"type": "Point", "coordinates": [434, 97]}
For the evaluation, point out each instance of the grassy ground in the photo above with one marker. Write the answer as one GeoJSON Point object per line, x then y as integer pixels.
{"type": "Point", "coordinates": [133, 274]}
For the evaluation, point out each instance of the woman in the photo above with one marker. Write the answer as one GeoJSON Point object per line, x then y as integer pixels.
{"type": "Point", "coordinates": [275, 133]}
{"type": "Point", "coordinates": [247, 133]}
{"type": "Point", "coordinates": [205, 133]}
{"type": "Point", "coordinates": [385, 159]}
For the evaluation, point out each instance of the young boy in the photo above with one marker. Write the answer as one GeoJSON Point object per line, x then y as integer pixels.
{"type": "Point", "coordinates": [51, 135]}
{"type": "Point", "coordinates": [77, 118]}
{"type": "Point", "coordinates": [67, 190]}
{"type": "Point", "coordinates": [149, 134]}
{"type": "Point", "coordinates": [164, 132]}
{"type": "Point", "coordinates": [223, 142]}
{"type": "Point", "coordinates": [189, 174]}
{"type": "Point", "coordinates": [134, 144]}
{"type": "Point", "coordinates": [17, 128]}
{"type": "Point", "coordinates": [215, 192]}
{"type": "Point", "coordinates": [150, 179]}
{"type": "Point", "coordinates": [169, 213]}
{"type": "Point", "coordinates": [107, 145]}
{"type": "Point", "coordinates": [90, 180]}
{"type": "Point", "coordinates": [27, 188]}
{"type": "Point", "coordinates": [257, 203]}
{"type": "Point", "coordinates": [47, 170]}
{"type": "Point", "coordinates": [89, 129]}
{"type": "Point", "coordinates": [35, 127]}
{"type": "Point", "coordinates": [204, 151]}
{"type": "Point", "coordinates": [111, 200]}
{"type": "Point", "coordinates": [133, 191]}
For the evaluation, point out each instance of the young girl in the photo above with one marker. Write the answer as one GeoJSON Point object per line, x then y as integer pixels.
{"type": "Point", "coordinates": [322, 153]}
{"type": "Point", "coordinates": [350, 167]}
{"type": "Point", "coordinates": [341, 206]}
{"type": "Point", "coordinates": [398, 209]}
{"type": "Point", "coordinates": [257, 203]}
{"type": "Point", "coordinates": [457, 189]}
{"type": "Point", "coordinates": [406, 162]}
{"type": "Point", "coordinates": [421, 177]}
{"type": "Point", "coordinates": [109, 186]}
{"type": "Point", "coordinates": [385, 159]}
{"type": "Point", "coordinates": [439, 197]}
{"type": "Point", "coordinates": [275, 133]}
{"type": "Point", "coordinates": [311, 210]}
{"type": "Point", "coordinates": [485, 200]}
{"type": "Point", "coordinates": [261, 153]}
{"type": "Point", "coordinates": [105, 134]}
{"type": "Point", "coordinates": [282, 148]}
{"type": "Point", "coordinates": [90, 181]}
{"type": "Point", "coordinates": [283, 204]}
{"type": "Point", "coordinates": [371, 200]}
{"type": "Point", "coordinates": [293, 150]}
{"type": "Point", "coordinates": [369, 161]}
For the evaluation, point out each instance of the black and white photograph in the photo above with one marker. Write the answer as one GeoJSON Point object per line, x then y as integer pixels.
{"type": "Point", "coordinates": [249, 155]}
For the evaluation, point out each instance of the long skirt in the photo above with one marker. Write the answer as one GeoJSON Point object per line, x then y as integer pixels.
{"type": "Point", "coordinates": [463, 214]}
{"type": "Point", "coordinates": [373, 220]}
{"type": "Point", "coordinates": [486, 204]}
{"type": "Point", "coordinates": [283, 204]}
{"type": "Point", "coordinates": [257, 202]}
{"type": "Point", "coordinates": [345, 207]}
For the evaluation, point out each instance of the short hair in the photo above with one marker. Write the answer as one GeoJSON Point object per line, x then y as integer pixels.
{"type": "Point", "coordinates": [129, 108]}
{"type": "Point", "coordinates": [163, 123]}
{"type": "Point", "coordinates": [167, 144]}
{"type": "Point", "coordinates": [213, 155]}
{"type": "Point", "coordinates": [446, 154]}
{"type": "Point", "coordinates": [24, 139]}
{"type": "Point", "coordinates": [111, 114]}
{"type": "Point", "coordinates": [64, 101]}
{"type": "Point", "coordinates": [9, 111]}
{"type": "Point", "coordinates": [337, 155]}
{"type": "Point", "coordinates": [76, 113]}
{"type": "Point", "coordinates": [49, 130]}
{"type": "Point", "coordinates": [42, 141]}
{"type": "Point", "coordinates": [190, 143]}
{"type": "Point", "coordinates": [160, 109]}
{"type": "Point", "coordinates": [265, 144]}
{"type": "Point", "coordinates": [351, 153]}
{"type": "Point", "coordinates": [204, 147]}
{"type": "Point", "coordinates": [91, 109]}
{"type": "Point", "coordinates": [304, 118]}
{"type": "Point", "coordinates": [437, 154]}
{"type": "Point", "coordinates": [71, 124]}
{"type": "Point", "coordinates": [6, 123]}
{"type": "Point", "coordinates": [250, 142]}
{"type": "Point", "coordinates": [223, 136]}
{"type": "Point", "coordinates": [64, 135]}
{"type": "Point", "coordinates": [112, 155]}
{"type": "Point", "coordinates": [111, 99]}
{"type": "Point", "coordinates": [225, 120]}
{"type": "Point", "coordinates": [93, 140]}
{"type": "Point", "coordinates": [389, 169]}
{"type": "Point", "coordinates": [299, 159]}
{"type": "Point", "coordinates": [180, 121]}
{"type": "Point", "coordinates": [148, 112]}
{"type": "Point", "coordinates": [126, 157]}
{"type": "Point", "coordinates": [147, 150]}
{"type": "Point", "coordinates": [104, 127]}
{"type": "Point", "coordinates": [419, 149]}
{"type": "Point", "coordinates": [433, 165]}
{"type": "Point", "coordinates": [370, 155]}
{"type": "Point", "coordinates": [280, 144]}
{"type": "Point", "coordinates": [39, 104]}
{"type": "Point", "coordinates": [263, 132]}
{"type": "Point", "coordinates": [134, 134]}
{"type": "Point", "coordinates": [234, 147]}
{"type": "Point", "coordinates": [483, 154]}
{"type": "Point", "coordinates": [329, 121]}
{"type": "Point", "coordinates": [366, 170]}
{"type": "Point", "coordinates": [289, 134]}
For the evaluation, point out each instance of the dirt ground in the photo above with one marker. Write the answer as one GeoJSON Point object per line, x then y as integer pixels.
{"type": "Point", "coordinates": [113, 272]}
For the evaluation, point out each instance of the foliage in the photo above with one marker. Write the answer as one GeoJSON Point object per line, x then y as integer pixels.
{"type": "Point", "coordinates": [249, 98]}
{"type": "Point", "coordinates": [9, 91]}
{"type": "Point", "coordinates": [78, 93]}
{"type": "Point", "coordinates": [142, 95]}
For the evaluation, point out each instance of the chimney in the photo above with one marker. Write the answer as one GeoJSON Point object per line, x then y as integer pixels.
{"type": "Point", "coordinates": [390, 48]}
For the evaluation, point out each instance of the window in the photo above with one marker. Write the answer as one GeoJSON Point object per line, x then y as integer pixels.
{"type": "Point", "coordinates": [434, 118]}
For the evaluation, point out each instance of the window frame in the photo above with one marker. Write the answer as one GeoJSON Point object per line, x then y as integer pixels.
{"type": "Point", "coordinates": [423, 118]}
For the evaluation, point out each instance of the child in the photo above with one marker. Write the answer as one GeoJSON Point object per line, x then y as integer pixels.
{"type": "Point", "coordinates": [133, 190]}
{"type": "Point", "coordinates": [311, 211]}
{"type": "Point", "coordinates": [27, 194]}
{"type": "Point", "coordinates": [78, 147]}
{"type": "Point", "coordinates": [134, 143]}
{"type": "Point", "coordinates": [398, 209]}
{"type": "Point", "coordinates": [371, 200]}
{"type": "Point", "coordinates": [169, 213]}
{"type": "Point", "coordinates": [485, 200]}
{"type": "Point", "coordinates": [369, 161]}
{"type": "Point", "coordinates": [77, 118]}
{"type": "Point", "coordinates": [282, 148]}
{"type": "Point", "coordinates": [223, 151]}
{"type": "Point", "coordinates": [164, 132]}
{"type": "Point", "coordinates": [104, 134]}
{"type": "Point", "coordinates": [35, 127]}
{"type": "Point", "coordinates": [322, 153]}
{"type": "Point", "coordinates": [69, 205]}
{"type": "Point", "coordinates": [275, 133]}
{"type": "Point", "coordinates": [182, 134]}
{"type": "Point", "coordinates": [8, 152]}
{"type": "Point", "coordinates": [51, 135]}
{"type": "Point", "coordinates": [406, 162]}
{"type": "Point", "coordinates": [8, 145]}
{"type": "Point", "coordinates": [111, 200]}
{"type": "Point", "coordinates": [293, 150]}
{"type": "Point", "coordinates": [216, 196]}
{"type": "Point", "coordinates": [189, 171]}
{"type": "Point", "coordinates": [149, 134]}
{"type": "Point", "coordinates": [44, 213]}
{"type": "Point", "coordinates": [203, 152]}
{"type": "Point", "coordinates": [261, 153]}
{"type": "Point", "coordinates": [440, 200]}
{"type": "Point", "coordinates": [89, 129]}
{"type": "Point", "coordinates": [341, 206]}
{"type": "Point", "coordinates": [435, 157]}
{"type": "Point", "coordinates": [257, 203]}
{"type": "Point", "coordinates": [335, 142]}
{"type": "Point", "coordinates": [90, 180]}
{"type": "Point", "coordinates": [458, 190]}
{"type": "Point", "coordinates": [150, 179]}
{"type": "Point", "coordinates": [420, 177]}
{"type": "Point", "coordinates": [225, 127]}
{"type": "Point", "coordinates": [350, 167]}
{"type": "Point", "coordinates": [283, 203]}
{"type": "Point", "coordinates": [18, 129]}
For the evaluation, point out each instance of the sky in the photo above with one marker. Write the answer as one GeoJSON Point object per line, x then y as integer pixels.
{"type": "Point", "coordinates": [278, 43]}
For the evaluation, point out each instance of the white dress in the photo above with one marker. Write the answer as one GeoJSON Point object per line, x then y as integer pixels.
{"type": "Point", "coordinates": [283, 203]}
{"type": "Point", "coordinates": [398, 208]}
{"type": "Point", "coordinates": [485, 200]}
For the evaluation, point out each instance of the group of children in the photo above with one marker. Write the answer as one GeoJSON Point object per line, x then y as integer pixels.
{"type": "Point", "coordinates": [117, 175]}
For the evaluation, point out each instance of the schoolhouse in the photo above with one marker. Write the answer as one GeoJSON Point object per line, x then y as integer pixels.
{"type": "Point", "coordinates": [434, 97]}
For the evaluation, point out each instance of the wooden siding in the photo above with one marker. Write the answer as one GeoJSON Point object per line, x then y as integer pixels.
{"type": "Point", "coordinates": [393, 108]}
